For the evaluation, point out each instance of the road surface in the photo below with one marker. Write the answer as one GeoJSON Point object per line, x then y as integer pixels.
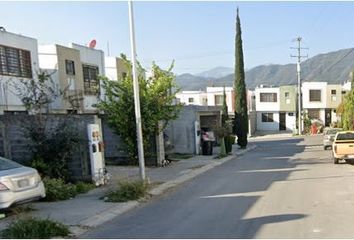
{"type": "Point", "coordinates": [285, 188]}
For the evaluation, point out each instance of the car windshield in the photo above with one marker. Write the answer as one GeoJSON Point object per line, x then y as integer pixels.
{"type": "Point", "coordinates": [332, 131]}
{"type": "Point", "coordinates": [6, 164]}
{"type": "Point", "coordinates": [345, 136]}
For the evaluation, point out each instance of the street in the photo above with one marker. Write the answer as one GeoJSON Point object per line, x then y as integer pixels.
{"type": "Point", "coordinates": [285, 188]}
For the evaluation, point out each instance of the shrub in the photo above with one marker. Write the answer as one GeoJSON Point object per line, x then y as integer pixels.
{"type": "Point", "coordinates": [82, 187]}
{"type": "Point", "coordinates": [35, 228]}
{"type": "Point", "coordinates": [57, 190]}
{"type": "Point", "coordinates": [52, 147]}
{"type": "Point", "coordinates": [128, 191]}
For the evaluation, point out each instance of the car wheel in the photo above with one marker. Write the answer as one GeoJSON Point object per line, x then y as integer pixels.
{"type": "Point", "coordinates": [335, 160]}
{"type": "Point", "coordinates": [324, 147]}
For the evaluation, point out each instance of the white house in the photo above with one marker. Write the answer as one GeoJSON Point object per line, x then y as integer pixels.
{"type": "Point", "coordinates": [276, 108]}
{"type": "Point", "coordinates": [192, 98]}
{"type": "Point", "coordinates": [267, 108]}
{"type": "Point", "coordinates": [18, 60]}
{"type": "Point", "coordinates": [321, 99]}
{"type": "Point", "coordinates": [215, 97]}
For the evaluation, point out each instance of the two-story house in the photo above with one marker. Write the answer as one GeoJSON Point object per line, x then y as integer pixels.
{"type": "Point", "coordinates": [18, 62]}
{"type": "Point", "coordinates": [276, 108]}
{"type": "Point", "coordinates": [75, 70]}
{"type": "Point", "coordinates": [93, 66]}
{"type": "Point", "coordinates": [320, 100]}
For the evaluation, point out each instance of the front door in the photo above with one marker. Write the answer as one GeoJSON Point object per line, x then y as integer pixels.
{"type": "Point", "coordinates": [282, 121]}
{"type": "Point", "coordinates": [328, 117]}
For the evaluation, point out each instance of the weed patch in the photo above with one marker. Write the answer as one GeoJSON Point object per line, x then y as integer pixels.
{"type": "Point", "coordinates": [35, 228]}
{"type": "Point", "coordinates": [128, 191]}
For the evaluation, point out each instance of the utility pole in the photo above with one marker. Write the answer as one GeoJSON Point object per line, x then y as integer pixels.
{"type": "Point", "coordinates": [299, 56]}
{"type": "Point", "coordinates": [139, 132]}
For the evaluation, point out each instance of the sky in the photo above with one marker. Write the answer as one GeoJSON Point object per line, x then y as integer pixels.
{"type": "Point", "coordinates": [197, 35]}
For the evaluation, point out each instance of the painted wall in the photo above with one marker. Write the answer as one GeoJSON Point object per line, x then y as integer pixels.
{"type": "Point", "coordinates": [199, 97]}
{"type": "Point", "coordinates": [290, 121]}
{"type": "Point", "coordinates": [306, 87]}
{"type": "Point", "coordinates": [96, 58]}
{"type": "Point", "coordinates": [333, 101]}
{"type": "Point", "coordinates": [267, 106]}
{"type": "Point", "coordinates": [214, 91]}
{"type": "Point", "coordinates": [268, 126]}
{"type": "Point", "coordinates": [288, 104]}
{"type": "Point", "coordinates": [8, 99]}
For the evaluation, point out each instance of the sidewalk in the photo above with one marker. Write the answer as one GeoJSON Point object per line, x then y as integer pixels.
{"type": "Point", "coordinates": [88, 211]}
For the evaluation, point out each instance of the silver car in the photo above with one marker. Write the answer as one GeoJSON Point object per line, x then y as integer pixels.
{"type": "Point", "coordinates": [18, 183]}
{"type": "Point", "coordinates": [328, 137]}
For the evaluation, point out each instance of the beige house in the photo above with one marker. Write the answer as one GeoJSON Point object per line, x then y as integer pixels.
{"type": "Point", "coordinates": [64, 65]}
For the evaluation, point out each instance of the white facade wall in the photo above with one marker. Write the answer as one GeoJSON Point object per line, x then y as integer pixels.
{"type": "Point", "coordinates": [8, 98]}
{"type": "Point", "coordinates": [199, 97]}
{"type": "Point", "coordinates": [290, 121]}
{"type": "Point", "coordinates": [111, 68]}
{"type": "Point", "coordinates": [306, 87]}
{"type": "Point", "coordinates": [48, 61]}
{"type": "Point", "coordinates": [92, 57]}
{"type": "Point", "coordinates": [214, 91]}
{"type": "Point", "coordinates": [268, 126]}
{"type": "Point", "coordinates": [347, 86]}
{"type": "Point", "coordinates": [267, 106]}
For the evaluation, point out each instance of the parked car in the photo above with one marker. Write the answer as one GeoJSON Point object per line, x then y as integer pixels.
{"type": "Point", "coordinates": [343, 146]}
{"type": "Point", "coordinates": [328, 136]}
{"type": "Point", "coordinates": [18, 183]}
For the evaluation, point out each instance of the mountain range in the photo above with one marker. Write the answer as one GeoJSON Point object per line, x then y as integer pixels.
{"type": "Point", "coordinates": [333, 67]}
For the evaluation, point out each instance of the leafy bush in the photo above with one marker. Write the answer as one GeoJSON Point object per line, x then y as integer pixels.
{"type": "Point", "coordinates": [127, 191]}
{"type": "Point", "coordinates": [82, 187]}
{"type": "Point", "coordinates": [33, 228]}
{"type": "Point", "coordinates": [51, 149]}
{"type": "Point", "coordinates": [57, 190]}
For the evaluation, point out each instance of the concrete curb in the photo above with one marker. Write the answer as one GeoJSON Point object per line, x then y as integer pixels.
{"type": "Point", "coordinates": [121, 208]}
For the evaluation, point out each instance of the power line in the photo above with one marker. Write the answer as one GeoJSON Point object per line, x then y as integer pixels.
{"type": "Point", "coordinates": [335, 63]}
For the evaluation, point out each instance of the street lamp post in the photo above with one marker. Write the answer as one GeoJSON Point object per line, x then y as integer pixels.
{"type": "Point", "coordinates": [136, 94]}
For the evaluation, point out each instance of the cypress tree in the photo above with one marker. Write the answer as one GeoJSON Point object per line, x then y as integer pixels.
{"type": "Point", "coordinates": [241, 116]}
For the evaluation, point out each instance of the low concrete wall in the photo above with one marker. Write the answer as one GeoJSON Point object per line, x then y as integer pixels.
{"type": "Point", "coordinates": [14, 145]}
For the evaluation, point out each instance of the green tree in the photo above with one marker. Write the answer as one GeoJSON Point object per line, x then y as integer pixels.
{"type": "Point", "coordinates": [348, 109]}
{"type": "Point", "coordinates": [52, 144]}
{"type": "Point", "coordinates": [241, 116]}
{"type": "Point", "coordinates": [157, 95]}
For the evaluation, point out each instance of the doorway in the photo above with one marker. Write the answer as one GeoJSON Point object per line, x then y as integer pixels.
{"type": "Point", "coordinates": [282, 121]}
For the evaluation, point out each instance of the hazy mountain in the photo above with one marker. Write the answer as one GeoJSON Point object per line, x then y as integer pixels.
{"type": "Point", "coordinates": [333, 67]}
{"type": "Point", "coordinates": [217, 72]}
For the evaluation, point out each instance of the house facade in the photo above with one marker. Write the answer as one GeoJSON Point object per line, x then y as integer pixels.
{"type": "Point", "coordinates": [320, 100]}
{"type": "Point", "coordinates": [93, 66]}
{"type": "Point", "coordinates": [65, 66]}
{"type": "Point", "coordinates": [276, 108]}
{"type": "Point", "coordinates": [199, 98]}
{"type": "Point", "coordinates": [115, 68]}
{"type": "Point", "coordinates": [75, 70]}
{"type": "Point", "coordinates": [18, 61]}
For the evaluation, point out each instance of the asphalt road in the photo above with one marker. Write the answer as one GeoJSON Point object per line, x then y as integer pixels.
{"type": "Point", "coordinates": [286, 188]}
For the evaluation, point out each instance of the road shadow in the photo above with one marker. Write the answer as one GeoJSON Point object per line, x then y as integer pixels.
{"type": "Point", "coordinates": [246, 227]}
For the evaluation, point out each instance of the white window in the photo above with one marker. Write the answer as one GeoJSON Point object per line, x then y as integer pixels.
{"type": "Point", "coordinates": [190, 100]}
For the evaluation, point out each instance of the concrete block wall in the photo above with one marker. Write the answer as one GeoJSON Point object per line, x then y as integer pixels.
{"type": "Point", "coordinates": [14, 145]}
